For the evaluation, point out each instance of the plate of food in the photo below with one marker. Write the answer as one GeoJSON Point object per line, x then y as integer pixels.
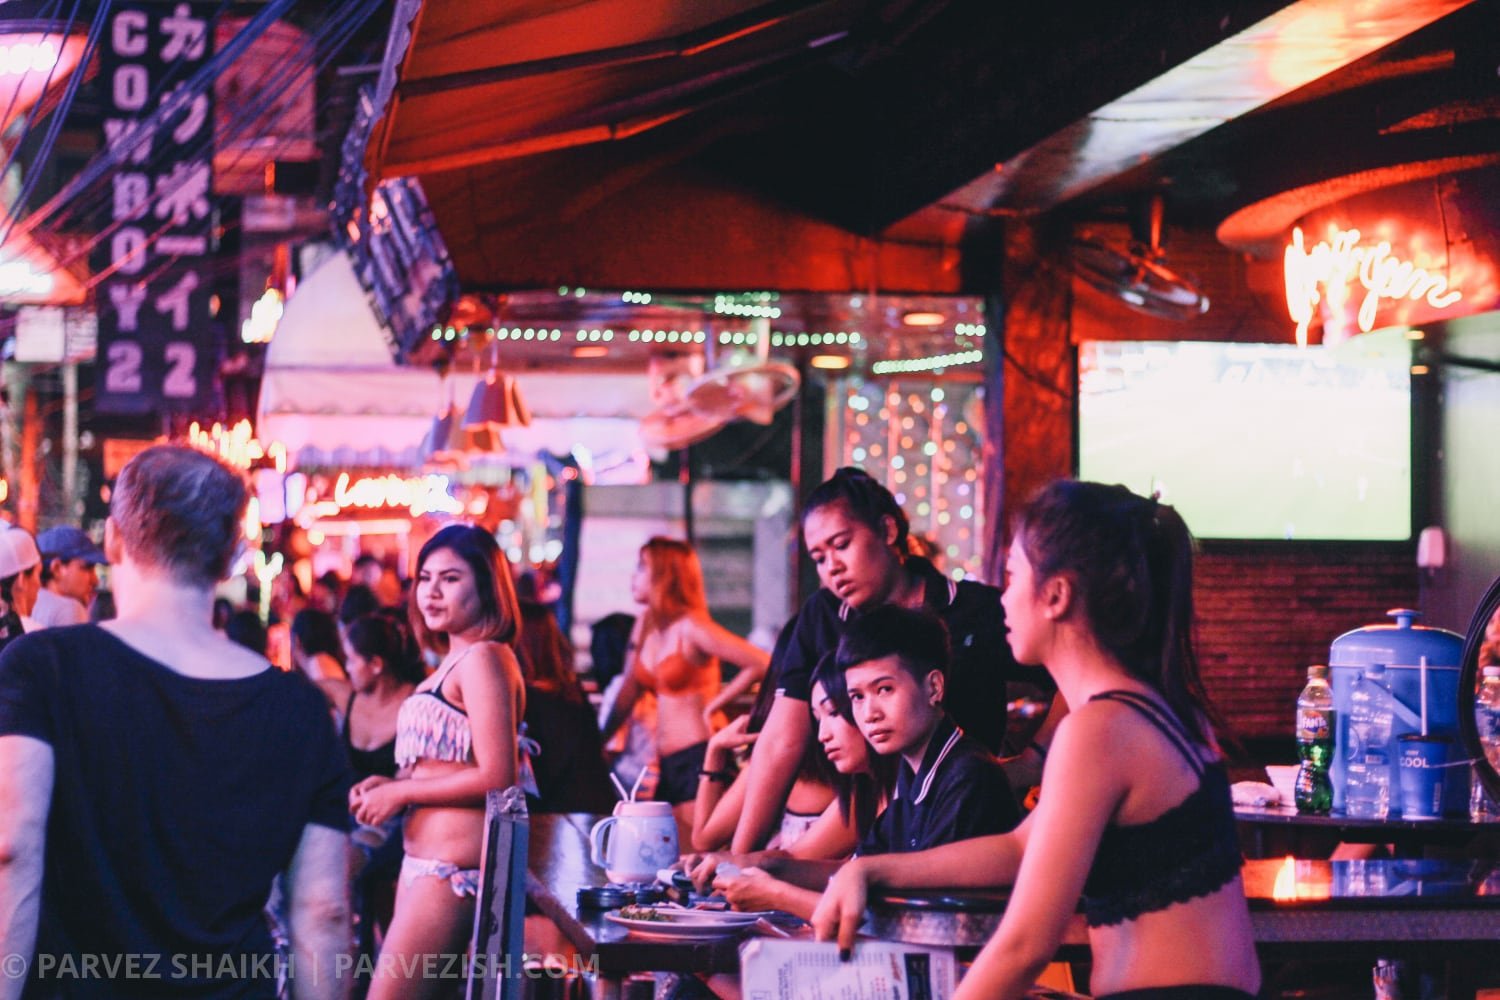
{"type": "Point", "coordinates": [681, 922]}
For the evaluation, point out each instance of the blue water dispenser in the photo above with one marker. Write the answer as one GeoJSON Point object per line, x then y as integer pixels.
{"type": "Point", "coordinates": [1401, 648]}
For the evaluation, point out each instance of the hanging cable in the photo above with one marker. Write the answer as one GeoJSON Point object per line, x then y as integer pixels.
{"type": "Point", "coordinates": [345, 27]}
{"type": "Point", "coordinates": [96, 28]}
{"type": "Point", "coordinates": [114, 153]}
{"type": "Point", "coordinates": [250, 113]}
{"type": "Point", "coordinates": [34, 111]}
{"type": "Point", "coordinates": [90, 200]}
{"type": "Point", "coordinates": [48, 15]}
{"type": "Point", "coordinates": [88, 203]}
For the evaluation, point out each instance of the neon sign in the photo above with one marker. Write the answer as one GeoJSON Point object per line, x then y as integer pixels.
{"type": "Point", "coordinates": [420, 495]}
{"type": "Point", "coordinates": [1326, 272]}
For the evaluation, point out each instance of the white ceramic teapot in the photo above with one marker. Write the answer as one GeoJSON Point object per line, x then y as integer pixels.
{"type": "Point", "coordinates": [636, 842]}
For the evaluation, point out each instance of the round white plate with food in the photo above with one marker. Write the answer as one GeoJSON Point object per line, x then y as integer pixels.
{"type": "Point", "coordinates": [678, 922]}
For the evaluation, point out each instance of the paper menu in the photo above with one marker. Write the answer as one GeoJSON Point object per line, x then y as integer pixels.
{"type": "Point", "coordinates": [773, 969]}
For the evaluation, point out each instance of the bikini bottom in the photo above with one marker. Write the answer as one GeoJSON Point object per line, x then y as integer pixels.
{"type": "Point", "coordinates": [463, 881]}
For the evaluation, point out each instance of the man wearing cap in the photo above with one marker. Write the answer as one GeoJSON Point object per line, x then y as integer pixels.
{"type": "Point", "coordinates": [69, 576]}
{"type": "Point", "coordinates": [19, 560]}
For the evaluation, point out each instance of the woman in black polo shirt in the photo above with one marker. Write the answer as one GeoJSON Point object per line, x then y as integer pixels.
{"type": "Point", "coordinates": [856, 535]}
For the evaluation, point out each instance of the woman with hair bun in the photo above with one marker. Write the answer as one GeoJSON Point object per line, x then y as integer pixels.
{"type": "Point", "coordinates": [1135, 815]}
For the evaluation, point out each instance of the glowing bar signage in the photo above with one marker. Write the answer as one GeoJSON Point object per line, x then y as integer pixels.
{"type": "Point", "coordinates": [157, 351]}
{"type": "Point", "coordinates": [419, 495]}
{"type": "Point", "coordinates": [1328, 272]}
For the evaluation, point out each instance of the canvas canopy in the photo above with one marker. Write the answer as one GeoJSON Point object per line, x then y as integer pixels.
{"type": "Point", "coordinates": [333, 395]}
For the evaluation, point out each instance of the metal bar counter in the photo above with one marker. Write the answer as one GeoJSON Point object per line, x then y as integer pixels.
{"type": "Point", "coordinates": [1388, 907]}
{"type": "Point", "coordinates": [1403, 908]}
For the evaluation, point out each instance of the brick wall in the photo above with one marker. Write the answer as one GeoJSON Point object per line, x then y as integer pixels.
{"type": "Point", "coordinates": [1264, 615]}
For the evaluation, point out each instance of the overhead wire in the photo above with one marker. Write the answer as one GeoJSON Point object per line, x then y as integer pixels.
{"type": "Point", "coordinates": [47, 15]}
{"type": "Point", "coordinates": [345, 27]}
{"type": "Point", "coordinates": [35, 109]}
{"type": "Point", "coordinates": [91, 202]}
{"type": "Point", "coordinates": [113, 153]}
{"type": "Point", "coordinates": [160, 87]}
{"type": "Point", "coordinates": [96, 28]}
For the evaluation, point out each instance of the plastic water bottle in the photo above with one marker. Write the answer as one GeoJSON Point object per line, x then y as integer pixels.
{"type": "Point", "coordinates": [1367, 789]}
{"type": "Point", "coordinates": [1314, 791]}
{"type": "Point", "coordinates": [1487, 714]}
{"type": "Point", "coordinates": [1487, 721]}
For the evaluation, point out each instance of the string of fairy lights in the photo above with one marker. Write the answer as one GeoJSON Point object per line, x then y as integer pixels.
{"type": "Point", "coordinates": [922, 438]}
{"type": "Point", "coordinates": [913, 422]}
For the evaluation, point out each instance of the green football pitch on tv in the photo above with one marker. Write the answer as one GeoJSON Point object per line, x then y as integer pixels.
{"type": "Point", "coordinates": [1256, 441]}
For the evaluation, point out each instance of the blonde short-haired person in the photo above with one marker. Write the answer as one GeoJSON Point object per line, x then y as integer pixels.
{"type": "Point", "coordinates": [155, 777]}
{"type": "Point", "coordinates": [1134, 816]}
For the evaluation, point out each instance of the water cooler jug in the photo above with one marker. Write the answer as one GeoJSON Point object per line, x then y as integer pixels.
{"type": "Point", "coordinates": [1400, 647]}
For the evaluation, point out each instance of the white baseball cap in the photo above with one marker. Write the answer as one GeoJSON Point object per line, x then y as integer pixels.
{"type": "Point", "coordinates": [18, 552]}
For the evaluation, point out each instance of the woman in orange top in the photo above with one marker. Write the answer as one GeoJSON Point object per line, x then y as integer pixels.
{"type": "Point", "coordinates": [675, 649]}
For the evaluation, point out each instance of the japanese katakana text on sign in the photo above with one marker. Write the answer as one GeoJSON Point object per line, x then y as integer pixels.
{"type": "Point", "coordinates": [157, 348]}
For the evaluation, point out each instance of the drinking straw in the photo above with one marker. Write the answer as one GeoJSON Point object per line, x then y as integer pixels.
{"type": "Point", "coordinates": [1422, 679]}
{"type": "Point", "coordinates": [636, 787]}
{"type": "Point", "coordinates": [619, 787]}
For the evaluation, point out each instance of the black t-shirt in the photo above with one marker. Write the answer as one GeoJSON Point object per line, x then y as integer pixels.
{"type": "Point", "coordinates": [570, 769]}
{"type": "Point", "coordinates": [175, 802]}
{"type": "Point", "coordinates": [961, 792]}
{"type": "Point", "coordinates": [981, 662]}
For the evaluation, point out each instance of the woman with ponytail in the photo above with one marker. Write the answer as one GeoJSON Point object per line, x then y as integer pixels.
{"type": "Point", "coordinates": [1134, 815]}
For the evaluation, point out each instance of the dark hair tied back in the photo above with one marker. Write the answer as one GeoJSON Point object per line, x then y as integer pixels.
{"type": "Point", "coordinates": [385, 635]}
{"type": "Point", "coordinates": [1130, 559]}
{"type": "Point", "coordinates": [866, 500]}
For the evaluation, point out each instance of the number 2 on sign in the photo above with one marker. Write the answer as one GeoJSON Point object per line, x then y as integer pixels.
{"type": "Point", "coordinates": [123, 375]}
{"type": "Point", "coordinates": [181, 357]}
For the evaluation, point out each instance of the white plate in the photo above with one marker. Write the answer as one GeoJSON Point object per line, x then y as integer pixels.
{"type": "Point", "coordinates": [678, 923]}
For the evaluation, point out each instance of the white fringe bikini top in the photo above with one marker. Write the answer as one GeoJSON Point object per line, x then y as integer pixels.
{"type": "Point", "coordinates": [430, 727]}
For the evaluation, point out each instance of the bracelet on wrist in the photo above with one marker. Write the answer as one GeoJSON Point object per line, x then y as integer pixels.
{"type": "Point", "coordinates": [724, 776]}
{"type": "Point", "coordinates": [1041, 751]}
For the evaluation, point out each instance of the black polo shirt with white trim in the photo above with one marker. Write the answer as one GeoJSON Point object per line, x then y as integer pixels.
{"type": "Point", "coordinates": [960, 792]}
{"type": "Point", "coordinates": [981, 662]}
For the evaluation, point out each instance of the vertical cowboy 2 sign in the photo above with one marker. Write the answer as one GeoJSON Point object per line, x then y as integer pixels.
{"type": "Point", "coordinates": [157, 349]}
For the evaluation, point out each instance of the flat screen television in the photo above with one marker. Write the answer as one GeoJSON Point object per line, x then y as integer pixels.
{"type": "Point", "coordinates": [1256, 441]}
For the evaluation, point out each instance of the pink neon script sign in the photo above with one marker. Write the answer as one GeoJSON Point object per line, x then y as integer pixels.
{"type": "Point", "coordinates": [1327, 271]}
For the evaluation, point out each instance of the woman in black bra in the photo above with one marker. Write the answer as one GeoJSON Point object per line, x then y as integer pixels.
{"type": "Point", "coordinates": [1134, 816]}
{"type": "Point", "coordinates": [383, 669]}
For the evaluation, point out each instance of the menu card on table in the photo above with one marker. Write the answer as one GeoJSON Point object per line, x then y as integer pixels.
{"type": "Point", "coordinates": [773, 969]}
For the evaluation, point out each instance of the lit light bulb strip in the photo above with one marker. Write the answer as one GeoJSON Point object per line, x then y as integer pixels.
{"type": "Point", "coordinates": [667, 336]}
{"type": "Point", "coordinates": [908, 435]}
{"type": "Point", "coordinates": [781, 338]}
{"type": "Point", "coordinates": [236, 445]}
{"type": "Point", "coordinates": [907, 366]}
{"type": "Point", "coordinates": [25, 57]}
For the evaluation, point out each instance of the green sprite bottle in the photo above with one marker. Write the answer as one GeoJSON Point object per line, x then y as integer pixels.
{"type": "Point", "coordinates": [1315, 718]}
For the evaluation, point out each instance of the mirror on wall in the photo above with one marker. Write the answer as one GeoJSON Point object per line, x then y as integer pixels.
{"type": "Point", "coordinates": [1481, 649]}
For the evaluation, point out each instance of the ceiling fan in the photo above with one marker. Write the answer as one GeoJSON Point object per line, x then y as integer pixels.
{"type": "Point", "coordinates": [1137, 274]}
{"type": "Point", "coordinates": [692, 404]}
